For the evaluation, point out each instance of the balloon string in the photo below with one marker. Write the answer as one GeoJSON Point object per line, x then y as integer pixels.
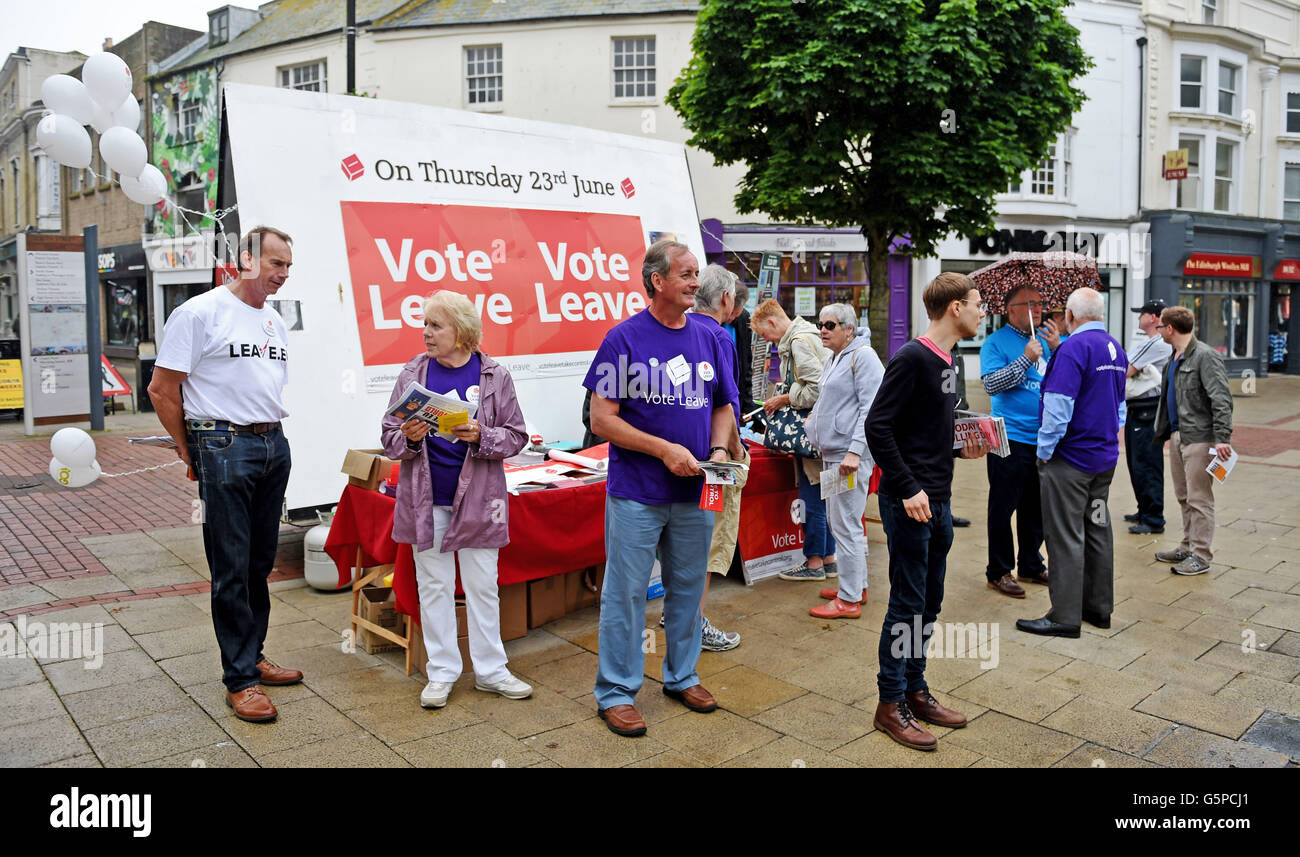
{"type": "Point", "coordinates": [143, 469]}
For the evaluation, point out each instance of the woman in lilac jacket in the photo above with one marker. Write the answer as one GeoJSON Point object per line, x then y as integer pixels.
{"type": "Point", "coordinates": [451, 497]}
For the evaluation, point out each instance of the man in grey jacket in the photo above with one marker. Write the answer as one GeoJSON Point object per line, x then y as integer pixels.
{"type": "Point", "coordinates": [1195, 415]}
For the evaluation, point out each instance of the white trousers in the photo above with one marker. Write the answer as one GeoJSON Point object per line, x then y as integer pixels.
{"type": "Point", "coordinates": [844, 518]}
{"type": "Point", "coordinates": [435, 577]}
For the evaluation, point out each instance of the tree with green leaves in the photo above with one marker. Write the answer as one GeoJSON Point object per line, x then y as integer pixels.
{"type": "Point", "coordinates": [902, 117]}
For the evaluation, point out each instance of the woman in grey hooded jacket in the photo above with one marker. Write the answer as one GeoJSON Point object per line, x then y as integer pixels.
{"type": "Point", "coordinates": [837, 428]}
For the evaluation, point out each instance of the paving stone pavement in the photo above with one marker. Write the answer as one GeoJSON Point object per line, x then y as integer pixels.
{"type": "Point", "coordinates": [1195, 671]}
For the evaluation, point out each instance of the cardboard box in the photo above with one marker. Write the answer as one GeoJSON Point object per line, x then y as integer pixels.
{"type": "Point", "coordinates": [367, 468]}
{"type": "Point", "coordinates": [576, 594]}
{"type": "Point", "coordinates": [514, 611]}
{"type": "Point", "coordinates": [545, 600]}
{"type": "Point", "coordinates": [420, 655]}
{"type": "Point", "coordinates": [377, 605]}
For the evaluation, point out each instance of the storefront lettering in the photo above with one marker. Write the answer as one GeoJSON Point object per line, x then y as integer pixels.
{"type": "Point", "coordinates": [1005, 241]}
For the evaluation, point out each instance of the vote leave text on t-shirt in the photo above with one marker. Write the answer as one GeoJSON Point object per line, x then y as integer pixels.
{"type": "Point", "coordinates": [667, 383]}
{"type": "Point", "coordinates": [235, 358]}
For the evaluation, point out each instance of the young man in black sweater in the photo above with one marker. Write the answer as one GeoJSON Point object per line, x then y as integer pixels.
{"type": "Point", "coordinates": [910, 434]}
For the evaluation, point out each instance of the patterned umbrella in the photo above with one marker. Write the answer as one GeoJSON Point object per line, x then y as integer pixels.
{"type": "Point", "coordinates": [1054, 274]}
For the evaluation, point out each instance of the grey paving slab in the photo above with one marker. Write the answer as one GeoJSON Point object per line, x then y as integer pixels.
{"type": "Point", "coordinates": [817, 721]}
{"type": "Point", "coordinates": [174, 642]}
{"type": "Point", "coordinates": [1092, 756]}
{"type": "Point", "coordinates": [28, 703]}
{"type": "Point", "coordinates": [480, 745]}
{"type": "Point", "coordinates": [787, 752]}
{"type": "Point", "coordinates": [402, 720]}
{"type": "Point", "coordinates": [119, 669]}
{"type": "Point", "coordinates": [197, 668]}
{"type": "Point", "coordinates": [151, 578]}
{"type": "Point", "coordinates": [590, 744]}
{"type": "Point", "coordinates": [1278, 732]}
{"type": "Point", "coordinates": [19, 670]}
{"type": "Point", "coordinates": [153, 735]}
{"type": "Point", "coordinates": [354, 750]}
{"type": "Point", "coordinates": [291, 636]}
{"type": "Point", "coordinates": [158, 614]}
{"type": "Point", "coordinates": [73, 641]}
{"type": "Point", "coordinates": [23, 595]}
{"type": "Point", "coordinates": [299, 723]}
{"type": "Point", "coordinates": [86, 760]}
{"type": "Point", "coordinates": [116, 704]}
{"type": "Point", "coordinates": [26, 745]}
{"type": "Point", "coordinates": [1186, 747]}
{"type": "Point", "coordinates": [358, 688]}
{"type": "Point", "coordinates": [223, 754]}
{"type": "Point", "coordinates": [211, 696]}
{"type": "Point", "coordinates": [79, 587]}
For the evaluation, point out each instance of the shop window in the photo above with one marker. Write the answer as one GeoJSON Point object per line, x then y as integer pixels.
{"type": "Point", "coordinates": [484, 70]}
{"type": "Point", "coordinates": [1224, 311]}
{"type": "Point", "coordinates": [121, 314]}
{"type": "Point", "coordinates": [1291, 193]}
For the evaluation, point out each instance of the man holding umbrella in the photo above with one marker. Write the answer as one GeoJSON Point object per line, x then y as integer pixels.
{"type": "Point", "coordinates": [1013, 362]}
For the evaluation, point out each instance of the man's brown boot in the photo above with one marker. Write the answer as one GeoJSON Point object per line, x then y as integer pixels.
{"type": "Point", "coordinates": [251, 704]}
{"type": "Point", "coordinates": [895, 720]}
{"type": "Point", "coordinates": [927, 708]}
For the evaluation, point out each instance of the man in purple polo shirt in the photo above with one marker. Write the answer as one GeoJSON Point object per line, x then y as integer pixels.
{"type": "Point", "coordinates": [1082, 412]}
{"type": "Point", "coordinates": [663, 400]}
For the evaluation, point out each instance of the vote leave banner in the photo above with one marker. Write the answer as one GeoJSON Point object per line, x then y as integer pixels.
{"type": "Point", "coordinates": [542, 226]}
{"type": "Point", "coordinates": [543, 282]}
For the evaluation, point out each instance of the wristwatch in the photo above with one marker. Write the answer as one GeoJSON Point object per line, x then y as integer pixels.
{"type": "Point", "coordinates": [716, 448]}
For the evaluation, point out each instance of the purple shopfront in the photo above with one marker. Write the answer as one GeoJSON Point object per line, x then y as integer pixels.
{"type": "Point", "coordinates": [818, 267]}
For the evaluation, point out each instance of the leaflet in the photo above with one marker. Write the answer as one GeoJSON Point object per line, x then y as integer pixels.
{"type": "Point", "coordinates": [968, 423]}
{"type": "Point", "coordinates": [422, 404]}
{"type": "Point", "coordinates": [159, 440]}
{"type": "Point", "coordinates": [833, 482]}
{"type": "Point", "coordinates": [1219, 468]}
{"type": "Point", "coordinates": [722, 472]}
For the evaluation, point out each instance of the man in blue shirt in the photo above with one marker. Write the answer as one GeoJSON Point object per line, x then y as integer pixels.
{"type": "Point", "coordinates": [1012, 363]}
{"type": "Point", "coordinates": [1082, 412]}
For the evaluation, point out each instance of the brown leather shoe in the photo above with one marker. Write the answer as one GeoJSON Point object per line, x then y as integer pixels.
{"type": "Point", "coordinates": [623, 720]}
{"type": "Point", "coordinates": [1040, 577]}
{"type": "Point", "coordinates": [895, 720]}
{"type": "Point", "coordinates": [695, 697]}
{"type": "Point", "coordinates": [251, 704]}
{"type": "Point", "coordinates": [927, 708]}
{"type": "Point", "coordinates": [1006, 584]}
{"type": "Point", "coordinates": [274, 676]}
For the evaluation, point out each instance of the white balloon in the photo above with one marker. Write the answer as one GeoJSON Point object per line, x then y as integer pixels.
{"type": "Point", "coordinates": [148, 189]}
{"type": "Point", "coordinates": [123, 150]}
{"type": "Point", "coordinates": [73, 446]}
{"type": "Point", "coordinates": [102, 119]}
{"type": "Point", "coordinates": [64, 140]}
{"type": "Point", "coordinates": [108, 78]}
{"type": "Point", "coordinates": [65, 94]}
{"type": "Point", "coordinates": [72, 476]}
{"type": "Point", "coordinates": [127, 115]}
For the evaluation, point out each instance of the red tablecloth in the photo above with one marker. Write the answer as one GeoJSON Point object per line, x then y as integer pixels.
{"type": "Point", "coordinates": [551, 532]}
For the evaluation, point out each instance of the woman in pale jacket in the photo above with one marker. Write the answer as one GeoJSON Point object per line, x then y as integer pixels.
{"type": "Point", "coordinates": [802, 358]}
{"type": "Point", "coordinates": [451, 497]}
{"type": "Point", "coordinates": [837, 428]}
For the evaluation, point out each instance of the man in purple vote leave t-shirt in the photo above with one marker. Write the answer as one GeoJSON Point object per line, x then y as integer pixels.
{"type": "Point", "coordinates": [660, 397]}
{"type": "Point", "coordinates": [1081, 415]}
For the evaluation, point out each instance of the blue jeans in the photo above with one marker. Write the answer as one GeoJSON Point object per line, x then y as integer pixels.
{"type": "Point", "coordinates": [817, 538]}
{"type": "Point", "coordinates": [918, 560]}
{"type": "Point", "coordinates": [242, 478]}
{"type": "Point", "coordinates": [682, 533]}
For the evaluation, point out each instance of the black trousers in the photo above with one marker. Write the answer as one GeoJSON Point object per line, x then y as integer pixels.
{"type": "Point", "coordinates": [1146, 464]}
{"type": "Point", "coordinates": [1013, 487]}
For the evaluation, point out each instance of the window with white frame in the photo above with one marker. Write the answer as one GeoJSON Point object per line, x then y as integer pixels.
{"type": "Point", "coordinates": [1293, 112]}
{"type": "Point", "coordinates": [1187, 192]}
{"type": "Point", "coordinates": [1291, 193]}
{"type": "Point", "coordinates": [191, 111]}
{"type": "Point", "coordinates": [1209, 11]}
{"type": "Point", "coordinates": [218, 28]}
{"type": "Point", "coordinates": [634, 68]}
{"type": "Point", "coordinates": [1229, 75]}
{"type": "Point", "coordinates": [484, 76]}
{"type": "Point", "coordinates": [1225, 171]}
{"type": "Point", "coordinates": [1191, 77]}
{"type": "Point", "coordinates": [1052, 178]}
{"type": "Point", "coordinates": [1210, 79]}
{"type": "Point", "coordinates": [309, 77]}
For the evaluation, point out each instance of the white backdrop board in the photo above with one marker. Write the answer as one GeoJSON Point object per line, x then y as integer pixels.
{"type": "Point", "coordinates": [543, 226]}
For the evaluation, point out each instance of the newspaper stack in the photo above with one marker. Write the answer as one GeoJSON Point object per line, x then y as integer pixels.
{"type": "Point", "coordinates": [968, 423]}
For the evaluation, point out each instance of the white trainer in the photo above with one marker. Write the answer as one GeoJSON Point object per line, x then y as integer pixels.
{"type": "Point", "coordinates": [435, 694]}
{"type": "Point", "coordinates": [509, 687]}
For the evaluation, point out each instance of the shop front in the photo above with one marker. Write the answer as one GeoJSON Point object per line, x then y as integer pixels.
{"type": "Point", "coordinates": [1236, 275]}
{"type": "Point", "coordinates": [125, 305]}
{"type": "Point", "coordinates": [818, 267]}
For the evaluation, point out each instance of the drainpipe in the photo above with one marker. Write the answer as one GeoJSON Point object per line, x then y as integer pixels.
{"type": "Point", "coordinates": [1266, 75]}
{"type": "Point", "coordinates": [352, 47]}
{"type": "Point", "coordinates": [1142, 84]}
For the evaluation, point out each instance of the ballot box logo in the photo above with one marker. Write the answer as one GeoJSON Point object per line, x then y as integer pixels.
{"type": "Point", "coordinates": [629, 189]}
{"type": "Point", "coordinates": [353, 168]}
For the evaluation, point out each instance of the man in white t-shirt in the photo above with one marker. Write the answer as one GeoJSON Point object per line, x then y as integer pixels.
{"type": "Point", "coordinates": [218, 389]}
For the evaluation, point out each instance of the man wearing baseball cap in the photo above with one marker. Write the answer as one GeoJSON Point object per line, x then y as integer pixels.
{"type": "Point", "coordinates": [1146, 465]}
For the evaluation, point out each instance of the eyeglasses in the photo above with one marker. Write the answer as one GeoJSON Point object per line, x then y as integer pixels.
{"type": "Point", "coordinates": [1031, 304]}
{"type": "Point", "coordinates": [984, 305]}
{"type": "Point", "coordinates": [1161, 326]}
{"type": "Point", "coordinates": [826, 325]}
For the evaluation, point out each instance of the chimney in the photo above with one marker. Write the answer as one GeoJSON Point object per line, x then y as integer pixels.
{"type": "Point", "coordinates": [108, 43]}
